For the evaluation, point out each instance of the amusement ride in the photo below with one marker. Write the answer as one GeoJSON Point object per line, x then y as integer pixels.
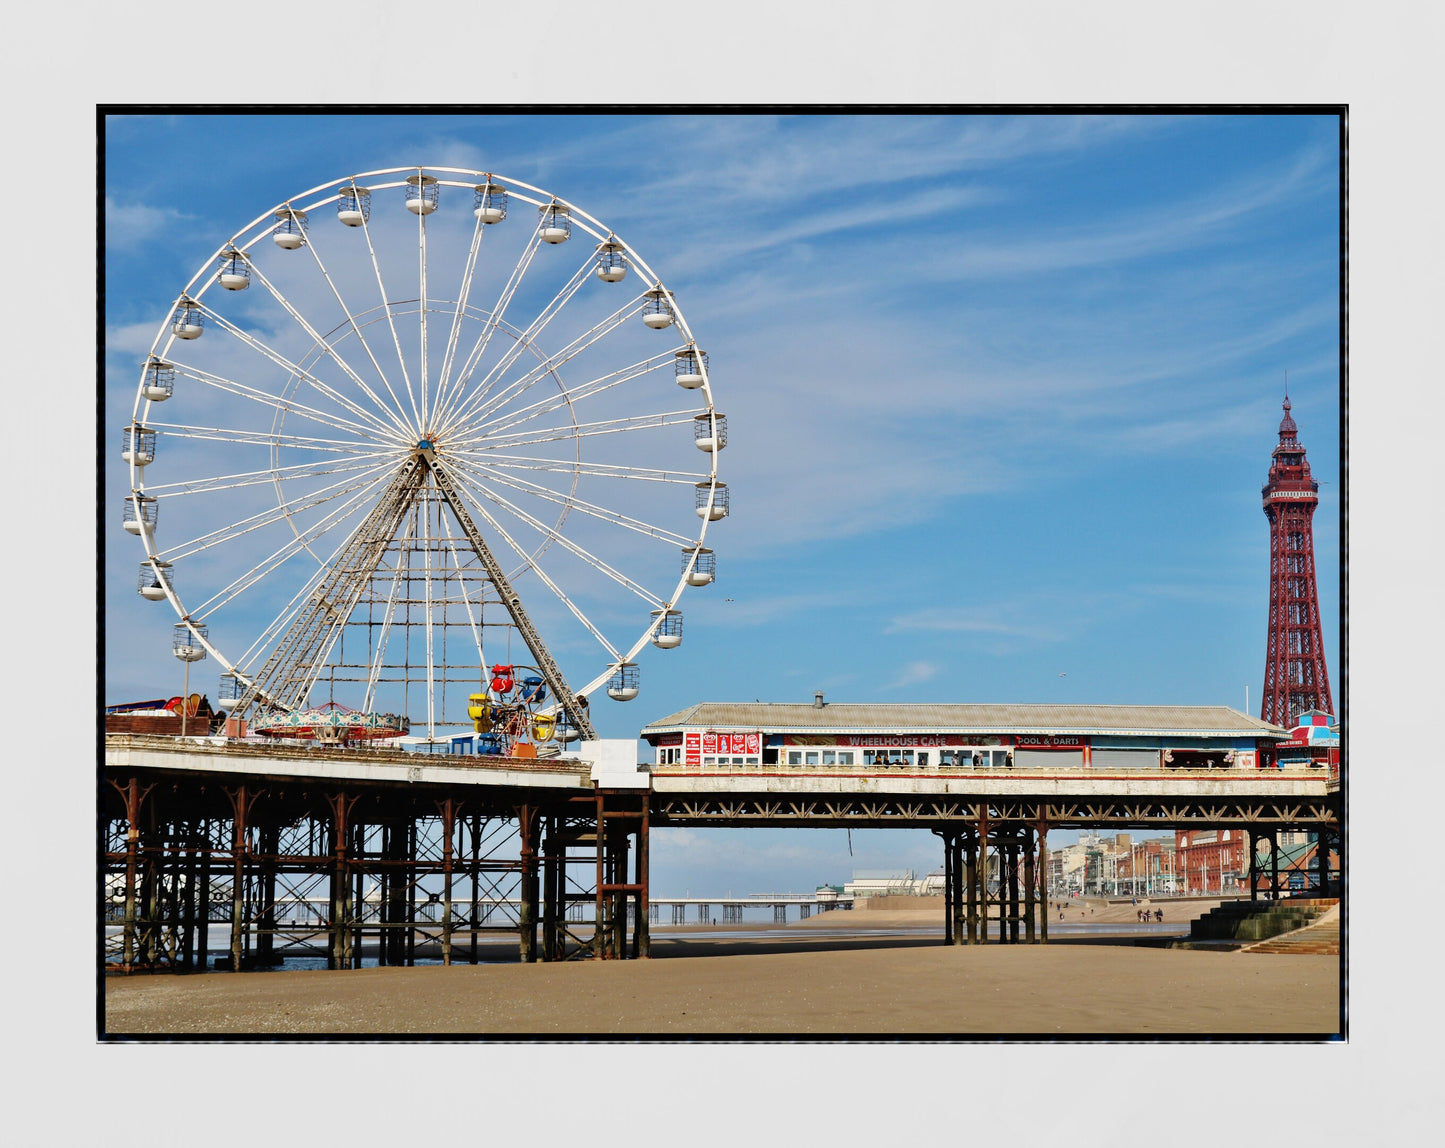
{"type": "Point", "coordinates": [387, 410]}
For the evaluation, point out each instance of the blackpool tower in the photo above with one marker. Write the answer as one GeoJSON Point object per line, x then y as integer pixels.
{"type": "Point", "coordinates": [1295, 678]}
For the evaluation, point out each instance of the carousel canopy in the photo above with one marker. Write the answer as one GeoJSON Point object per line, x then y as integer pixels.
{"type": "Point", "coordinates": [333, 722]}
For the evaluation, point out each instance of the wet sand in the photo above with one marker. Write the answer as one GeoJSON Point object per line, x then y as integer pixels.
{"type": "Point", "coordinates": [787, 981]}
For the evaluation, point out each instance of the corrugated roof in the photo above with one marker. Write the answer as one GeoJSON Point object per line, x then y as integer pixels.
{"type": "Point", "coordinates": [835, 717]}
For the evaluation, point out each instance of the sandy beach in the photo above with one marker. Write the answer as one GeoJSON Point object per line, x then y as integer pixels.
{"type": "Point", "coordinates": [781, 981]}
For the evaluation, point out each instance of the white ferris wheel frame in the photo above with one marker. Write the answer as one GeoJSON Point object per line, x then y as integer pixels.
{"type": "Point", "coordinates": [308, 203]}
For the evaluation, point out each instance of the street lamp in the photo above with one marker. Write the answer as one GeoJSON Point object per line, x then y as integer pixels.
{"type": "Point", "coordinates": [187, 643]}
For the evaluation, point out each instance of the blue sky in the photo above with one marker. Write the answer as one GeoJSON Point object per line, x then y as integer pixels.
{"type": "Point", "coordinates": [1001, 392]}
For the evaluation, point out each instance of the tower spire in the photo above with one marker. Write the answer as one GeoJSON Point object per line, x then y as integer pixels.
{"type": "Point", "coordinates": [1295, 676]}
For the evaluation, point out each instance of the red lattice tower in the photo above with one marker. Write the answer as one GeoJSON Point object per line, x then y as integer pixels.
{"type": "Point", "coordinates": [1295, 678]}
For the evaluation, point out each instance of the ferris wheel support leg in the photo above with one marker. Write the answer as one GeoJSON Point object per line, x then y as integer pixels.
{"type": "Point", "coordinates": [290, 671]}
{"type": "Point", "coordinates": [551, 672]}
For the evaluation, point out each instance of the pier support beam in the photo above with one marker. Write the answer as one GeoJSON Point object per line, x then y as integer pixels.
{"type": "Point", "coordinates": [981, 871]}
{"type": "Point", "coordinates": [1030, 900]}
{"type": "Point", "coordinates": [527, 825]}
{"type": "Point", "coordinates": [1042, 829]}
{"type": "Point", "coordinates": [971, 854]}
{"type": "Point", "coordinates": [642, 938]}
{"type": "Point", "coordinates": [341, 923]}
{"type": "Point", "coordinates": [270, 842]}
{"type": "Point", "coordinates": [241, 802]}
{"type": "Point", "coordinates": [951, 884]}
{"type": "Point", "coordinates": [448, 810]}
{"type": "Point", "coordinates": [1014, 848]}
{"type": "Point", "coordinates": [553, 884]}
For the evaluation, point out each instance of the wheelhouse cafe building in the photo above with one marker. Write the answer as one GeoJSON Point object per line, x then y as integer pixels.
{"type": "Point", "coordinates": [887, 738]}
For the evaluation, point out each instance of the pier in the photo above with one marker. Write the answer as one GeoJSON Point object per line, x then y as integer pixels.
{"type": "Point", "coordinates": [400, 853]}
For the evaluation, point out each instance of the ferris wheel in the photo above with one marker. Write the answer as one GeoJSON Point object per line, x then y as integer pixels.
{"type": "Point", "coordinates": [398, 430]}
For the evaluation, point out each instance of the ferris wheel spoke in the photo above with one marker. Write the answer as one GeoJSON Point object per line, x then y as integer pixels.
{"type": "Point", "coordinates": [393, 415]}
{"type": "Point", "coordinates": [263, 438]}
{"type": "Point", "coordinates": [386, 306]}
{"type": "Point", "coordinates": [592, 469]}
{"type": "Point", "coordinates": [378, 659]}
{"type": "Point", "coordinates": [426, 555]}
{"type": "Point", "coordinates": [566, 398]}
{"type": "Point", "coordinates": [235, 482]}
{"type": "Point", "coordinates": [498, 313]}
{"type": "Point", "coordinates": [601, 513]}
{"type": "Point", "coordinates": [303, 598]}
{"type": "Point", "coordinates": [475, 413]}
{"type": "Point", "coordinates": [280, 405]}
{"type": "Point", "coordinates": [269, 517]}
{"type": "Point", "coordinates": [294, 368]}
{"type": "Point", "coordinates": [273, 561]}
{"type": "Point", "coordinates": [395, 411]}
{"type": "Point", "coordinates": [567, 544]}
{"type": "Point", "coordinates": [588, 430]}
{"type": "Point", "coordinates": [532, 565]}
{"type": "Point", "coordinates": [472, 621]}
{"type": "Point", "coordinates": [526, 340]}
{"type": "Point", "coordinates": [425, 406]}
{"type": "Point", "coordinates": [455, 333]}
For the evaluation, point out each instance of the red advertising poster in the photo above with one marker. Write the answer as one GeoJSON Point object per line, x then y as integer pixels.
{"type": "Point", "coordinates": [692, 749]}
{"type": "Point", "coordinates": [898, 741]}
{"type": "Point", "coordinates": [727, 744]}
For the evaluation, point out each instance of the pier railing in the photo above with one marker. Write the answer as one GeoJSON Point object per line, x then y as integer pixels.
{"type": "Point", "coordinates": [364, 754]}
{"type": "Point", "coordinates": [679, 770]}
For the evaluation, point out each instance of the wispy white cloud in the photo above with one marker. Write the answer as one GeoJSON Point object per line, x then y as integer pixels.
{"type": "Point", "coordinates": [746, 613]}
{"type": "Point", "coordinates": [789, 158]}
{"type": "Point", "coordinates": [913, 674]}
{"type": "Point", "coordinates": [1166, 229]}
{"type": "Point", "coordinates": [131, 224]}
{"type": "Point", "coordinates": [973, 620]}
{"type": "Point", "coordinates": [131, 339]}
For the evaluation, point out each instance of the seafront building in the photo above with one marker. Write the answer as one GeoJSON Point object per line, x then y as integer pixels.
{"type": "Point", "coordinates": [867, 883]}
{"type": "Point", "coordinates": [824, 736]}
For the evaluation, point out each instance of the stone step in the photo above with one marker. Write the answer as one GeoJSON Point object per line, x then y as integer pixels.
{"type": "Point", "coordinates": [1322, 939]}
{"type": "Point", "coordinates": [1255, 927]}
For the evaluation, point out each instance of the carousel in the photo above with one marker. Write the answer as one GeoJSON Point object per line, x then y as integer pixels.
{"type": "Point", "coordinates": [333, 724]}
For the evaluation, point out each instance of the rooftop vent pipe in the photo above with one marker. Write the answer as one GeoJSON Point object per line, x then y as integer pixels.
{"type": "Point", "coordinates": [818, 700]}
